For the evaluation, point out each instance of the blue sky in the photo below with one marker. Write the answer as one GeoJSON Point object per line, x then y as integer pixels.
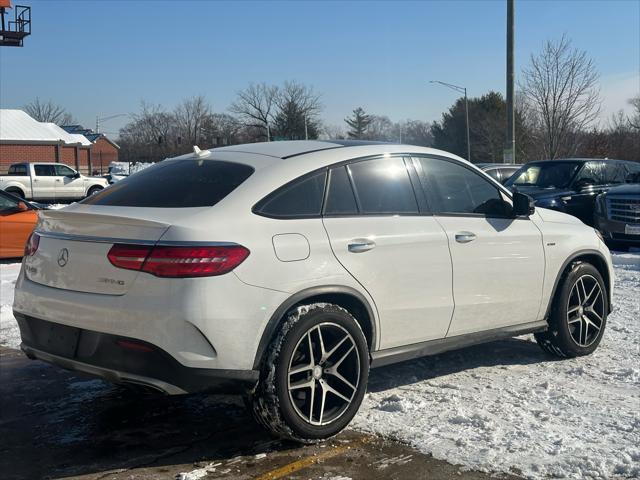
{"type": "Point", "coordinates": [104, 57]}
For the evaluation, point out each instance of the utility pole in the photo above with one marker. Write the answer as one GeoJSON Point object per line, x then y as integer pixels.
{"type": "Point", "coordinates": [510, 147]}
{"type": "Point", "coordinates": [306, 131]}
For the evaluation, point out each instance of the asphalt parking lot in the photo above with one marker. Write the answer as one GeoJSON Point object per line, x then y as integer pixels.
{"type": "Point", "coordinates": [56, 424]}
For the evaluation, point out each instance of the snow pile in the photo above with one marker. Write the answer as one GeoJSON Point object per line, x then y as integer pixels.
{"type": "Point", "coordinates": [507, 407]}
{"type": "Point", "coordinates": [126, 168]}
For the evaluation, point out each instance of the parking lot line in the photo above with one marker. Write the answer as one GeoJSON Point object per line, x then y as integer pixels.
{"type": "Point", "coordinates": [310, 460]}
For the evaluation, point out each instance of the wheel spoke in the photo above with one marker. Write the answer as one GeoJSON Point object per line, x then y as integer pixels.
{"type": "Point", "coordinates": [574, 320]}
{"type": "Point", "coordinates": [324, 397]}
{"type": "Point", "coordinates": [303, 368]}
{"type": "Point", "coordinates": [591, 322]}
{"type": "Point", "coordinates": [595, 299]}
{"type": "Point", "coordinates": [313, 396]}
{"type": "Point", "coordinates": [302, 384]}
{"type": "Point", "coordinates": [586, 328]}
{"type": "Point", "coordinates": [595, 285]}
{"type": "Point", "coordinates": [333, 372]}
{"type": "Point", "coordinates": [311, 356]}
{"type": "Point", "coordinates": [333, 350]}
{"type": "Point", "coordinates": [339, 362]}
{"type": "Point", "coordinates": [323, 352]}
{"type": "Point", "coordinates": [328, 388]}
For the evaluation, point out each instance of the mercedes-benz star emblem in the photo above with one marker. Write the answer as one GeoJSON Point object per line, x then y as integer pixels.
{"type": "Point", "coordinates": [63, 257]}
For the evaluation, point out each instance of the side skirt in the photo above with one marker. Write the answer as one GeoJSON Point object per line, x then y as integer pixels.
{"type": "Point", "coordinates": [434, 347]}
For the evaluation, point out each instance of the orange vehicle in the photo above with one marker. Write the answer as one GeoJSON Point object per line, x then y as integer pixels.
{"type": "Point", "coordinates": [17, 220]}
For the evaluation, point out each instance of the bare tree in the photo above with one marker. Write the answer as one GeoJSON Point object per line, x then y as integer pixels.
{"type": "Point", "coordinates": [560, 85]}
{"type": "Point", "coordinates": [190, 116]}
{"type": "Point", "coordinates": [48, 112]}
{"type": "Point", "coordinates": [634, 119]}
{"type": "Point", "coordinates": [335, 132]}
{"type": "Point", "coordinates": [255, 106]}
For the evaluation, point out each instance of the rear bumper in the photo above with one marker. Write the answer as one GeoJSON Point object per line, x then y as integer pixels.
{"type": "Point", "coordinates": [124, 360]}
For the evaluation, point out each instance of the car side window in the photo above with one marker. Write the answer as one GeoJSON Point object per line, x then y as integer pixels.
{"type": "Point", "coordinates": [18, 170]}
{"type": "Point", "coordinates": [632, 172]}
{"type": "Point", "coordinates": [63, 170]}
{"type": "Point", "coordinates": [340, 198]}
{"type": "Point", "coordinates": [299, 198]}
{"type": "Point", "coordinates": [383, 186]}
{"type": "Point", "coordinates": [457, 190]}
{"type": "Point", "coordinates": [45, 170]}
{"type": "Point", "coordinates": [495, 174]}
{"type": "Point", "coordinates": [593, 173]}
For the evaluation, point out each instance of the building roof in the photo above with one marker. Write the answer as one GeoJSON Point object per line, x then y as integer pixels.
{"type": "Point", "coordinates": [70, 138]}
{"type": "Point", "coordinates": [88, 133]}
{"type": "Point", "coordinates": [17, 126]}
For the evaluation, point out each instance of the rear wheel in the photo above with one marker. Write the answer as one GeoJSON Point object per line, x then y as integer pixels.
{"type": "Point", "coordinates": [578, 314]}
{"type": "Point", "coordinates": [93, 190]}
{"type": "Point", "coordinates": [16, 191]}
{"type": "Point", "coordinates": [315, 375]}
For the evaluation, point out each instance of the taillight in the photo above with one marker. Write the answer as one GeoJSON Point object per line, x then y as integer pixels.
{"type": "Point", "coordinates": [182, 261]}
{"type": "Point", "coordinates": [130, 257]}
{"type": "Point", "coordinates": [32, 244]}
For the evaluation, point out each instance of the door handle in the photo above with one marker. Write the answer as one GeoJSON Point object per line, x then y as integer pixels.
{"type": "Point", "coordinates": [360, 245]}
{"type": "Point", "coordinates": [465, 237]}
{"type": "Point", "coordinates": [58, 180]}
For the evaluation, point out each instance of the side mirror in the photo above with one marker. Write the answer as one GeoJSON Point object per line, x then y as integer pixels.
{"type": "Point", "coordinates": [22, 207]}
{"type": "Point", "coordinates": [583, 183]}
{"type": "Point", "coordinates": [523, 205]}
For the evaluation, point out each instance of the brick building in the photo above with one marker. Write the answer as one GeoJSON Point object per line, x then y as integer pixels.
{"type": "Point", "coordinates": [103, 150]}
{"type": "Point", "coordinates": [23, 139]}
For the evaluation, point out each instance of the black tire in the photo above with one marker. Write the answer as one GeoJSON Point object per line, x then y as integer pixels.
{"type": "Point", "coordinates": [94, 190]}
{"type": "Point", "coordinates": [16, 191]}
{"type": "Point", "coordinates": [560, 339]}
{"type": "Point", "coordinates": [280, 411]}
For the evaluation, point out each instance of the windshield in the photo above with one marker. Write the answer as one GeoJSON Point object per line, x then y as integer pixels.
{"type": "Point", "coordinates": [545, 175]}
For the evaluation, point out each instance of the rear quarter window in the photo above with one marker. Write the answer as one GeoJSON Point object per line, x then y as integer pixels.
{"type": "Point", "coordinates": [301, 198]}
{"type": "Point", "coordinates": [175, 184]}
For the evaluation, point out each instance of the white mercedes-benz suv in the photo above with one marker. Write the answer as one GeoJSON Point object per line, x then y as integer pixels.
{"type": "Point", "coordinates": [285, 270]}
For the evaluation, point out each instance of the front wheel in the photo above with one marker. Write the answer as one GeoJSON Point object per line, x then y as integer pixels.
{"type": "Point", "coordinates": [315, 375]}
{"type": "Point", "coordinates": [578, 314]}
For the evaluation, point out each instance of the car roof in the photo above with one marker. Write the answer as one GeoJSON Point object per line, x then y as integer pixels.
{"type": "Point", "coordinates": [498, 165]}
{"type": "Point", "coordinates": [262, 154]}
{"type": "Point", "coordinates": [578, 160]}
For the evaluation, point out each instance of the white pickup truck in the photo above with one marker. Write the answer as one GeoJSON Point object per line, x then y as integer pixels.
{"type": "Point", "coordinates": [49, 182]}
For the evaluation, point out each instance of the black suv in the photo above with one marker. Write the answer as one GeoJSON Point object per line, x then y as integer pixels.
{"type": "Point", "coordinates": [571, 185]}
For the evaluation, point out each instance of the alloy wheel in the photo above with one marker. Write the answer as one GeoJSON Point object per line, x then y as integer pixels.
{"type": "Point", "coordinates": [324, 373]}
{"type": "Point", "coordinates": [585, 310]}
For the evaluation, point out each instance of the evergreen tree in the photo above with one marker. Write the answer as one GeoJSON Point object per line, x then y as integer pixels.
{"type": "Point", "coordinates": [358, 123]}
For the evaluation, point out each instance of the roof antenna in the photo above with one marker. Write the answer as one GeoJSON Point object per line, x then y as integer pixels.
{"type": "Point", "coordinates": [200, 153]}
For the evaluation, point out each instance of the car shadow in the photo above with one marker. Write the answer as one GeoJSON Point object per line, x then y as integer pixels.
{"type": "Point", "coordinates": [56, 423]}
{"type": "Point", "coordinates": [511, 351]}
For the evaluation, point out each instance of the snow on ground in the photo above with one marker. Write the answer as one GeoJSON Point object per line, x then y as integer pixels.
{"type": "Point", "coordinates": [504, 406]}
{"type": "Point", "coordinates": [507, 407]}
{"type": "Point", "coordinates": [9, 333]}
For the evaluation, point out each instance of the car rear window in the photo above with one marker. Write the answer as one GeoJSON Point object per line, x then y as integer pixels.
{"type": "Point", "coordinates": [175, 184]}
{"type": "Point", "coordinates": [18, 170]}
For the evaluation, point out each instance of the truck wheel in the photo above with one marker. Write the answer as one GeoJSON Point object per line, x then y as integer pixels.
{"type": "Point", "coordinates": [315, 375]}
{"type": "Point", "coordinates": [93, 190]}
{"type": "Point", "coordinates": [578, 314]}
{"type": "Point", "coordinates": [16, 191]}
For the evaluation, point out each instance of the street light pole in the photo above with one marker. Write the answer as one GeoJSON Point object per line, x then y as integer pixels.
{"type": "Point", "coordinates": [104, 119]}
{"type": "Point", "coordinates": [466, 109]}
